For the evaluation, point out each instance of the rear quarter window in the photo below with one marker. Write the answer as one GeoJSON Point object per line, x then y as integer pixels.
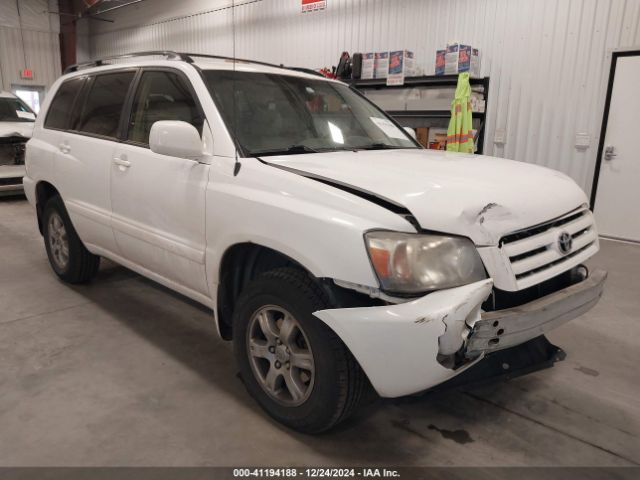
{"type": "Point", "coordinates": [60, 109]}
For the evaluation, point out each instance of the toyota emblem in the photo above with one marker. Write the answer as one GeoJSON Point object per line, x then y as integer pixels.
{"type": "Point", "coordinates": [565, 242]}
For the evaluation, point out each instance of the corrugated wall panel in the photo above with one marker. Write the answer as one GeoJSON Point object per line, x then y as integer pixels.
{"type": "Point", "coordinates": [38, 48]}
{"type": "Point", "coordinates": [42, 56]}
{"type": "Point", "coordinates": [548, 59]}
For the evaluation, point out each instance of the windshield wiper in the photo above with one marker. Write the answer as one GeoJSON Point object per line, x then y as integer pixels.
{"type": "Point", "coordinates": [379, 146]}
{"type": "Point", "coordinates": [291, 150]}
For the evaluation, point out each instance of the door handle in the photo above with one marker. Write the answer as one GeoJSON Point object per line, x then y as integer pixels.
{"type": "Point", "coordinates": [609, 153]}
{"type": "Point", "coordinates": [122, 162]}
{"type": "Point", "coordinates": [64, 147]}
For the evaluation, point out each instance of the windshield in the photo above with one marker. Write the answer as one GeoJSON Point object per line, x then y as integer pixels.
{"type": "Point", "coordinates": [15, 110]}
{"type": "Point", "coordinates": [280, 114]}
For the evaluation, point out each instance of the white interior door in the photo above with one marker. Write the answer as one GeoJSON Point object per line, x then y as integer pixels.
{"type": "Point", "coordinates": [618, 194]}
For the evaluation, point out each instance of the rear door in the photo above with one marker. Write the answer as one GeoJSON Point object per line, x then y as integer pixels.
{"type": "Point", "coordinates": [158, 201]}
{"type": "Point", "coordinates": [86, 148]}
{"type": "Point", "coordinates": [45, 145]}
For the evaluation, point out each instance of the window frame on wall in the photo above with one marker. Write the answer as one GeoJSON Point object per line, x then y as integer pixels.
{"type": "Point", "coordinates": [129, 103]}
{"type": "Point", "coordinates": [39, 90]}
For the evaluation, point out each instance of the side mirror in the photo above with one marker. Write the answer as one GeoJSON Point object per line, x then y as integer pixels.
{"type": "Point", "coordinates": [176, 139]}
{"type": "Point", "coordinates": [411, 132]}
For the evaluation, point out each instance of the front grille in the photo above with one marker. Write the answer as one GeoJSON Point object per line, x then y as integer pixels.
{"type": "Point", "coordinates": [501, 299]}
{"type": "Point", "coordinates": [12, 150]}
{"type": "Point", "coordinates": [534, 253]}
{"type": "Point", "coordinates": [10, 181]}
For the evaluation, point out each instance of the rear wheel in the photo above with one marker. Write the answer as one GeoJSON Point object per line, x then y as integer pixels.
{"type": "Point", "coordinates": [68, 257]}
{"type": "Point", "coordinates": [296, 368]}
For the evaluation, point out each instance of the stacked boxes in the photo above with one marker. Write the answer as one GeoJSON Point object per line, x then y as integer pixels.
{"type": "Point", "coordinates": [455, 59]}
{"type": "Point", "coordinates": [458, 58]}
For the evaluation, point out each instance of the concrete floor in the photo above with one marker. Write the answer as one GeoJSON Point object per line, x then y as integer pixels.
{"type": "Point", "coordinates": [124, 372]}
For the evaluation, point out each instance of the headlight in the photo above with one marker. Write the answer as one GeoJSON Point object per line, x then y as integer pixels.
{"type": "Point", "coordinates": [415, 263]}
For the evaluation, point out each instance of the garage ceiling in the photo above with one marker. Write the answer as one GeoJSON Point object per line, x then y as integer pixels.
{"type": "Point", "coordinates": [96, 7]}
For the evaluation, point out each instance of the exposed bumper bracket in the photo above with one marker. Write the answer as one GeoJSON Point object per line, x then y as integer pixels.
{"type": "Point", "coordinates": [536, 354]}
{"type": "Point", "coordinates": [506, 328]}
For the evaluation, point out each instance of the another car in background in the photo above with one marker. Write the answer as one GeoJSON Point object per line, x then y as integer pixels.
{"type": "Point", "coordinates": [16, 127]}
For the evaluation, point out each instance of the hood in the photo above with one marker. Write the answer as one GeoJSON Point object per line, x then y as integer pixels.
{"type": "Point", "coordinates": [480, 197]}
{"type": "Point", "coordinates": [16, 129]}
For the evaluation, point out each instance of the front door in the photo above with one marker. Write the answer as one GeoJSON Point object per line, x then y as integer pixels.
{"type": "Point", "coordinates": [158, 201]}
{"type": "Point", "coordinates": [618, 183]}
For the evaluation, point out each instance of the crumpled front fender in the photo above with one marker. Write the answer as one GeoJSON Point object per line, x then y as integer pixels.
{"type": "Point", "coordinates": [409, 347]}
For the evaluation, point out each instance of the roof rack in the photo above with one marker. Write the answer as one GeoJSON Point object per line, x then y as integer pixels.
{"type": "Point", "coordinates": [101, 61]}
{"type": "Point", "coordinates": [222, 57]}
{"type": "Point", "coordinates": [171, 55]}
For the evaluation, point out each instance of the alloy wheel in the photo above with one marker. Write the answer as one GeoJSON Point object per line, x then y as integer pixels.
{"type": "Point", "coordinates": [280, 355]}
{"type": "Point", "coordinates": [58, 241]}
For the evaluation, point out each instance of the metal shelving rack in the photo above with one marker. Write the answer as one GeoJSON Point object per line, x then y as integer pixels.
{"type": "Point", "coordinates": [434, 81]}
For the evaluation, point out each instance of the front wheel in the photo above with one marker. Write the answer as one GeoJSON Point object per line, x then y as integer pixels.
{"type": "Point", "coordinates": [296, 368]}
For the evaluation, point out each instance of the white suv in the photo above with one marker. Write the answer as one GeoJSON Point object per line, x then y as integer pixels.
{"type": "Point", "coordinates": [335, 251]}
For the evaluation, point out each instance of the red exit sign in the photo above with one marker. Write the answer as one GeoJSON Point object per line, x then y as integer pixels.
{"type": "Point", "coordinates": [313, 5]}
{"type": "Point", "coordinates": [26, 74]}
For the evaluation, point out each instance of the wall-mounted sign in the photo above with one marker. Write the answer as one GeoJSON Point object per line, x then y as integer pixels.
{"type": "Point", "coordinates": [313, 5]}
{"type": "Point", "coordinates": [26, 74]}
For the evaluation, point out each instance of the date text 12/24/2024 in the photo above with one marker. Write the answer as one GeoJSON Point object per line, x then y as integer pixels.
{"type": "Point", "coordinates": [315, 473]}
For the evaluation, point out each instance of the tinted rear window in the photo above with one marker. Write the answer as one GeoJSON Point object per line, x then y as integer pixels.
{"type": "Point", "coordinates": [62, 103]}
{"type": "Point", "coordinates": [103, 104]}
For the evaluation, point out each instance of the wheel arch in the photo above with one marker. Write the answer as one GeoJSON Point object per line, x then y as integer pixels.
{"type": "Point", "coordinates": [44, 191]}
{"type": "Point", "coordinates": [245, 261]}
{"type": "Point", "coordinates": [241, 263]}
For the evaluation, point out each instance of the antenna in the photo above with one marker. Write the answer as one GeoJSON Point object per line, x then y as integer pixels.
{"type": "Point", "coordinates": [237, 165]}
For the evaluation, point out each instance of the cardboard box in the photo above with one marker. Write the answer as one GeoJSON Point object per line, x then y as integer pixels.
{"type": "Point", "coordinates": [440, 61]}
{"type": "Point", "coordinates": [461, 58]}
{"type": "Point", "coordinates": [422, 135]}
{"type": "Point", "coordinates": [474, 70]}
{"type": "Point", "coordinates": [400, 66]}
{"type": "Point", "coordinates": [368, 66]}
{"type": "Point", "coordinates": [381, 64]}
{"type": "Point", "coordinates": [477, 102]}
{"type": "Point", "coordinates": [437, 138]}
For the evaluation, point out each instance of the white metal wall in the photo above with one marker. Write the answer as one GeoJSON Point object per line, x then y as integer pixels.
{"type": "Point", "coordinates": [548, 59]}
{"type": "Point", "coordinates": [36, 47]}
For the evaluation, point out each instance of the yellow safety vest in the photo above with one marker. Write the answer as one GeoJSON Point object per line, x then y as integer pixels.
{"type": "Point", "coordinates": [460, 132]}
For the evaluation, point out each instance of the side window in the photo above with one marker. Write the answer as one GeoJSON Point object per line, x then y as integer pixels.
{"type": "Point", "coordinates": [103, 105]}
{"type": "Point", "coordinates": [161, 96]}
{"type": "Point", "coordinates": [62, 103]}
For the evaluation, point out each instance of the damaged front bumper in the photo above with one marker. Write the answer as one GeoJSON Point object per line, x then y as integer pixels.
{"type": "Point", "coordinates": [410, 347]}
{"type": "Point", "coordinates": [513, 326]}
{"type": "Point", "coordinates": [11, 179]}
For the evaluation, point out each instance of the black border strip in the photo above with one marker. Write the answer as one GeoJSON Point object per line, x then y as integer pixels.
{"type": "Point", "coordinates": [605, 119]}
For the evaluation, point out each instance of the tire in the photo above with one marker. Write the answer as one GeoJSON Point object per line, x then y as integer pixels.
{"type": "Point", "coordinates": [68, 257]}
{"type": "Point", "coordinates": [333, 390]}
